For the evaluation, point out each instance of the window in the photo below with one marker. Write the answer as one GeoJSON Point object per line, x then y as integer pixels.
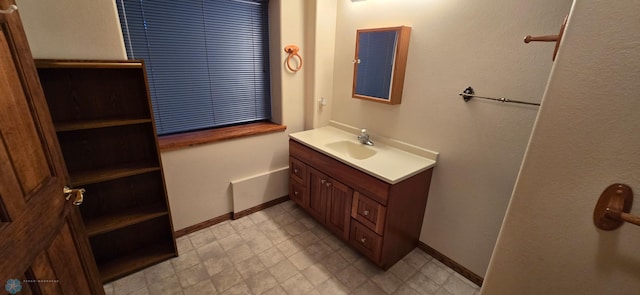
{"type": "Point", "coordinates": [207, 60]}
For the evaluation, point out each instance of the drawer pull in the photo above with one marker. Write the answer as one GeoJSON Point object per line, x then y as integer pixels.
{"type": "Point", "coordinates": [365, 213]}
{"type": "Point", "coordinates": [363, 240]}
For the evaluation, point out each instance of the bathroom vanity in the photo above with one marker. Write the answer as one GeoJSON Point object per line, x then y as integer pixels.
{"type": "Point", "coordinates": [372, 197]}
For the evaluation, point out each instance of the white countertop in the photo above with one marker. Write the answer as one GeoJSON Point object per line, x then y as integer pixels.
{"type": "Point", "coordinates": [392, 162]}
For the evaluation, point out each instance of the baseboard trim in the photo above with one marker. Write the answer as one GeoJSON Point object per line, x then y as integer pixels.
{"type": "Point", "coordinates": [471, 276]}
{"type": "Point", "coordinates": [254, 209]}
{"type": "Point", "coordinates": [207, 223]}
{"type": "Point", "coordinates": [228, 216]}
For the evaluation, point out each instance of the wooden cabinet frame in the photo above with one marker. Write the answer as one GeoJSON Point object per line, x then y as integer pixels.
{"type": "Point", "coordinates": [102, 114]}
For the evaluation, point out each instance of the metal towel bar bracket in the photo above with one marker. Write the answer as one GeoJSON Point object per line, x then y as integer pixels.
{"type": "Point", "coordinates": [612, 209]}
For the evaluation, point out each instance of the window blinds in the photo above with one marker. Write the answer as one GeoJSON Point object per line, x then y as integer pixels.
{"type": "Point", "coordinates": [207, 60]}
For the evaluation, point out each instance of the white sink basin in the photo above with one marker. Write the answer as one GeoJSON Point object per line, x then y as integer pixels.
{"type": "Point", "coordinates": [389, 160]}
{"type": "Point", "coordinates": [352, 149]}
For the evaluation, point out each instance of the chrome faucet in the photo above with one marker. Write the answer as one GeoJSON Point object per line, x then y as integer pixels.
{"type": "Point", "coordinates": [363, 138]}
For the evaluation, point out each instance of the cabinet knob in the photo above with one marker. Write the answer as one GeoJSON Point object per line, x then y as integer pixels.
{"type": "Point", "coordinates": [295, 170]}
{"type": "Point", "coordinates": [296, 193]}
{"type": "Point", "coordinates": [365, 213]}
{"type": "Point", "coordinates": [328, 184]}
{"type": "Point", "coordinates": [363, 240]}
{"type": "Point", "coordinates": [77, 193]}
{"type": "Point", "coordinates": [322, 181]}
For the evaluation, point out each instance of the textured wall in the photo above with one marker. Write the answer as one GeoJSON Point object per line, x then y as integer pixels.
{"type": "Point", "coordinates": [586, 137]}
{"type": "Point", "coordinates": [72, 29]}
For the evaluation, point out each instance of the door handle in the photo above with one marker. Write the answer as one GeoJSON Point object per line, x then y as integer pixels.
{"type": "Point", "coordinates": [76, 193]}
{"type": "Point", "coordinates": [612, 209]}
{"type": "Point", "coordinates": [9, 10]}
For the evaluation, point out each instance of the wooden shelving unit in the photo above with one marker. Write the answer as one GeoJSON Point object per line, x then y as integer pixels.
{"type": "Point", "coordinates": [104, 122]}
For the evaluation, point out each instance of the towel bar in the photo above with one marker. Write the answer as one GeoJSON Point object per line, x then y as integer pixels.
{"type": "Point", "coordinates": [469, 93]}
{"type": "Point", "coordinates": [550, 38]}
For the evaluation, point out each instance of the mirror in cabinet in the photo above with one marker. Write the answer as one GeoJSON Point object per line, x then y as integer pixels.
{"type": "Point", "coordinates": [380, 63]}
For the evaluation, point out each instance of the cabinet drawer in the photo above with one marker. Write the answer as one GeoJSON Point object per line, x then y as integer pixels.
{"type": "Point", "coordinates": [365, 240]}
{"type": "Point", "coordinates": [298, 170]}
{"type": "Point", "coordinates": [369, 212]}
{"type": "Point", "coordinates": [298, 193]}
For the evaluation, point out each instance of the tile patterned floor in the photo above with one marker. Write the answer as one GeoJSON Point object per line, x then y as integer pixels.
{"type": "Point", "coordinates": [281, 250]}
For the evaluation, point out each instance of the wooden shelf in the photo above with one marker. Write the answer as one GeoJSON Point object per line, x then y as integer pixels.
{"type": "Point", "coordinates": [83, 64]}
{"type": "Point", "coordinates": [105, 127]}
{"type": "Point", "coordinates": [133, 262]}
{"type": "Point", "coordinates": [93, 124]}
{"type": "Point", "coordinates": [106, 223]}
{"type": "Point", "coordinates": [87, 177]}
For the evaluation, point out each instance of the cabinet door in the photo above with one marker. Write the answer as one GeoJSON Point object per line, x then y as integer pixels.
{"type": "Point", "coordinates": [338, 213]}
{"type": "Point", "coordinates": [317, 194]}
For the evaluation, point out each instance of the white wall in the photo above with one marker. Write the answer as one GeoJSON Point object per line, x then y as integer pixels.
{"type": "Point", "coordinates": [320, 24]}
{"type": "Point", "coordinates": [199, 178]}
{"type": "Point", "coordinates": [586, 137]}
{"type": "Point", "coordinates": [72, 29]}
{"type": "Point", "coordinates": [455, 44]}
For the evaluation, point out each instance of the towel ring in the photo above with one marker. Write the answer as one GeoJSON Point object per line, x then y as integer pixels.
{"type": "Point", "coordinates": [292, 50]}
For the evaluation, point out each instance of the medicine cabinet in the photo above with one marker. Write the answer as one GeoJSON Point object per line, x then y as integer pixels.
{"type": "Point", "coordinates": [380, 63]}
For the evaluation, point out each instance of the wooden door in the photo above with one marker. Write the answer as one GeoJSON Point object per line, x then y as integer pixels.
{"type": "Point", "coordinates": [43, 247]}
{"type": "Point", "coordinates": [338, 211]}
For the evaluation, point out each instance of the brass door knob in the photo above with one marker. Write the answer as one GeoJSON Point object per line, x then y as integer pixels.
{"type": "Point", "coordinates": [76, 193]}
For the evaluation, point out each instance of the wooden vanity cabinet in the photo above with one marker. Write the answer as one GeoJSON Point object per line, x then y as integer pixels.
{"type": "Point", "coordinates": [380, 220]}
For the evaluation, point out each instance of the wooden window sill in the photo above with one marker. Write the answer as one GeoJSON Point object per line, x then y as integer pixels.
{"type": "Point", "coordinates": [182, 140]}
